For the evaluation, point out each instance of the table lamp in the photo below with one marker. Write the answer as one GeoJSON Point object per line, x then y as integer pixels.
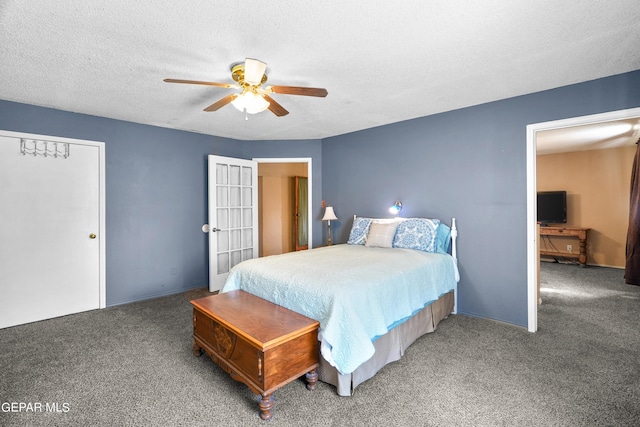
{"type": "Point", "coordinates": [328, 216]}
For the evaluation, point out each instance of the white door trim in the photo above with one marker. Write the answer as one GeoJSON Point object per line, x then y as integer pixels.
{"type": "Point", "coordinates": [101, 197]}
{"type": "Point", "coordinates": [532, 129]}
{"type": "Point", "coordinates": [308, 161]}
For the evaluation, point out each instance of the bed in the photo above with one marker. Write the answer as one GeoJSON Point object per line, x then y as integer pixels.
{"type": "Point", "coordinates": [392, 282]}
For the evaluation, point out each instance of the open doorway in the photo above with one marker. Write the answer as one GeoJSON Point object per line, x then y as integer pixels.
{"type": "Point", "coordinates": [533, 132]}
{"type": "Point", "coordinates": [284, 222]}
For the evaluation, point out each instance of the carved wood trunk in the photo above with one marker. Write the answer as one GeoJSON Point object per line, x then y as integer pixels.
{"type": "Point", "coordinates": [261, 344]}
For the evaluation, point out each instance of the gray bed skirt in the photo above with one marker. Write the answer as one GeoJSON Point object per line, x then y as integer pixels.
{"type": "Point", "coordinates": [389, 347]}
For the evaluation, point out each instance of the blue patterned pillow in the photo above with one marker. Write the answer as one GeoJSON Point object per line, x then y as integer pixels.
{"type": "Point", "coordinates": [359, 230]}
{"type": "Point", "coordinates": [417, 233]}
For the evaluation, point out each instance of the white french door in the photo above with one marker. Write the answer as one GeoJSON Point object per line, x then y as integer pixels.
{"type": "Point", "coordinates": [51, 227]}
{"type": "Point", "coordinates": [233, 216]}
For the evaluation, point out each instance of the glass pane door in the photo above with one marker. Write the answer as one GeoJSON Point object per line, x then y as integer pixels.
{"type": "Point", "coordinates": [233, 216]}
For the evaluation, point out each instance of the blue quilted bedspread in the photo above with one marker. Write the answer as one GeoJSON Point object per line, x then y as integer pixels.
{"type": "Point", "coordinates": [357, 293]}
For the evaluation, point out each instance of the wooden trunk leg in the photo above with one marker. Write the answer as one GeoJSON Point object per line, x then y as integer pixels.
{"type": "Point", "coordinates": [266, 405]}
{"type": "Point", "coordinates": [197, 350]}
{"type": "Point", "coordinates": [312, 379]}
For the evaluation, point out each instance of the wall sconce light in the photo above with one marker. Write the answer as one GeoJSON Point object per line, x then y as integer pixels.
{"type": "Point", "coordinates": [396, 208]}
{"type": "Point", "coordinates": [329, 215]}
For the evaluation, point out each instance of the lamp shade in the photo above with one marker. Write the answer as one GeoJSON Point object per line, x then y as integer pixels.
{"type": "Point", "coordinates": [329, 215]}
{"type": "Point", "coordinates": [253, 71]}
{"type": "Point", "coordinates": [250, 102]}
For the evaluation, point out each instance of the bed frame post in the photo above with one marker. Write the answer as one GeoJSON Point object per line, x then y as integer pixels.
{"type": "Point", "coordinates": [454, 254]}
{"type": "Point", "coordinates": [454, 236]}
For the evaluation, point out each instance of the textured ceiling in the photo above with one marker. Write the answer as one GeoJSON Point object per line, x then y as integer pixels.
{"type": "Point", "coordinates": [381, 62]}
{"type": "Point", "coordinates": [596, 136]}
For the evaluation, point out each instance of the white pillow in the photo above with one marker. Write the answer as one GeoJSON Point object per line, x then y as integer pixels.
{"type": "Point", "coordinates": [387, 220]}
{"type": "Point", "coordinates": [381, 235]}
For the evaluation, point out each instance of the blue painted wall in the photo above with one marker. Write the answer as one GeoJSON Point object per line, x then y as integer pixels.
{"type": "Point", "coordinates": [156, 194]}
{"type": "Point", "coordinates": [156, 182]}
{"type": "Point", "coordinates": [469, 164]}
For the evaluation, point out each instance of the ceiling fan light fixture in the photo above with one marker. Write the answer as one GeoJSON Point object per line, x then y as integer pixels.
{"type": "Point", "coordinates": [250, 102]}
{"type": "Point", "coordinates": [250, 75]}
{"type": "Point", "coordinates": [254, 71]}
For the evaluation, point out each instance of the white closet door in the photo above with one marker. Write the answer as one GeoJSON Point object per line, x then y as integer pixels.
{"type": "Point", "coordinates": [233, 216]}
{"type": "Point", "coordinates": [50, 228]}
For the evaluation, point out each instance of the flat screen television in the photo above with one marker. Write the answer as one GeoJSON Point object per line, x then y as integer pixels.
{"type": "Point", "coordinates": [552, 207]}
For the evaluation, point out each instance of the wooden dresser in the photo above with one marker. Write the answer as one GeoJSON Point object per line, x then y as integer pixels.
{"type": "Point", "coordinates": [259, 343]}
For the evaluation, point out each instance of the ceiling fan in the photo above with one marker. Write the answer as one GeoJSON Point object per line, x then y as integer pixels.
{"type": "Point", "coordinates": [250, 75]}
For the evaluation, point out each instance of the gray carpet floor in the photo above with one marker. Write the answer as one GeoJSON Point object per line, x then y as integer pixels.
{"type": "Point", "coordinates": [132, 365]}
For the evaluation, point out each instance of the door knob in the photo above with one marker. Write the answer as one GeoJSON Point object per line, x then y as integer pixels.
{"type": "Point", "coordinates": [92, 236]}
{"type": "Point", "coordinates": [207, 228]}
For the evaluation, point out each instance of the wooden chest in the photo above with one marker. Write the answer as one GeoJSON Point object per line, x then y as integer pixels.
{"type": "Point", "coordinates": [259, 343]}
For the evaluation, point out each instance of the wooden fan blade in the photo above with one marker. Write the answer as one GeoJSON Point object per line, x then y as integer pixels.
{"type": "Point", "coordinates": [221, 103]}
{"type": "Point", "coordinates": [274, 107]}
{"type": "Point", "coordinates": [297, 90]}
{"type": "Point", "coordinates": [198, 82]}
